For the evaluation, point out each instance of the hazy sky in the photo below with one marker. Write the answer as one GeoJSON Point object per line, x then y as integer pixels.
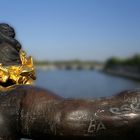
{"type": "Point", "coordinates": [75, 29]}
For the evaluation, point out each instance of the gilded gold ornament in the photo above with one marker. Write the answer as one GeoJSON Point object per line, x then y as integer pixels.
{"type": "Point", "coordinates": [18, 74]}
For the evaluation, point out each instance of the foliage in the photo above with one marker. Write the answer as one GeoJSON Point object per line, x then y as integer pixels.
{"type": "Point", "coordinates": [114, 61]}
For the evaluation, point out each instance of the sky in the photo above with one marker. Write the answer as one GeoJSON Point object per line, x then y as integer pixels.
{"type": "Point", "coordinates": [75, 29]}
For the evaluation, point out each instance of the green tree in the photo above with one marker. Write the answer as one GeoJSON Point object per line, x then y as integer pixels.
{"type": "Point", "coordinates": [113, 61]}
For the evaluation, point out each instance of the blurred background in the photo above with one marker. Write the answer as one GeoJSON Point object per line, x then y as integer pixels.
{"type": "Point", "coordinates": [81, 48]}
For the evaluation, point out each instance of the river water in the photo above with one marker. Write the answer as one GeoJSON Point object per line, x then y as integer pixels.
{"type": "Point", "coordinates": [83, 83]}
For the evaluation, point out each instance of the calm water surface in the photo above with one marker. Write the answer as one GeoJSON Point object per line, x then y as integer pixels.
{"type": "Point", "coordinates": [83, 84]}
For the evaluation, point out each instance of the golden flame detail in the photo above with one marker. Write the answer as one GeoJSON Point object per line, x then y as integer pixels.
{"type": "Point", "coordinates": [18, 74]}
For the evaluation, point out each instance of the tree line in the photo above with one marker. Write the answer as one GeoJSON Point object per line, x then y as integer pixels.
{"type": "Point", "coordinates": [132, 61]}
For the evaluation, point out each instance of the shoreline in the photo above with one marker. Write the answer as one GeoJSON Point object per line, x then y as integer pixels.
{"type": "Point", "coordinates": [124, 74]}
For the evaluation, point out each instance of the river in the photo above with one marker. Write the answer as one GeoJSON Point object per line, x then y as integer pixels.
{"type": "Point", "coordinates": [83, 83]}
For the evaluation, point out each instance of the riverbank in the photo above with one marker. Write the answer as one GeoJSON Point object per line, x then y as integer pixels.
{"type": "Point", "coordinates": [128, 68]}
{"type": "Point", "coordinates": [125, 74]}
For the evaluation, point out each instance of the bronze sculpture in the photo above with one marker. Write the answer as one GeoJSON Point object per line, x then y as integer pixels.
{"type": "Point", "coordinates": [31, 112]}
{"type": "Point", "coordinates": [15, 67]}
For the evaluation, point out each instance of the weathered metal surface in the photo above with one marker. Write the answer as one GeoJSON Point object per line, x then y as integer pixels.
{"type": "Point", "coordinates": [31, 112]}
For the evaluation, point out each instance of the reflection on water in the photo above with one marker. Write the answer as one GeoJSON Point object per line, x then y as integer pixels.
{"type": "Point", "coordinates": [83, 84]}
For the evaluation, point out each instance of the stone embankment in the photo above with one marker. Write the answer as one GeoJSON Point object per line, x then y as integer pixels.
{"type": "Point", "coordinates": [127, 72]}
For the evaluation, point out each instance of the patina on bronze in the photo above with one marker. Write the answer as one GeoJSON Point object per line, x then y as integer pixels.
{"type": "Point", "coordinates": [31, 112]}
